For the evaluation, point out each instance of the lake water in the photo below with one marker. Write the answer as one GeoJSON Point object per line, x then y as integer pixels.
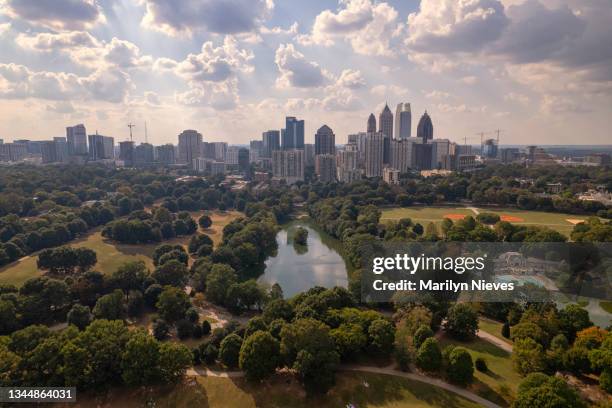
{"type": "Point", "coordinates": [298, 268]}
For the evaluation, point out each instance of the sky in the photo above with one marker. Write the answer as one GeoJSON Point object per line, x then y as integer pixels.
{"type": "Point", "coordinates": [538, 70]}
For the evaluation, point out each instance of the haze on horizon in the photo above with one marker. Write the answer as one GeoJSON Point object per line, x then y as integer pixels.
{"type": "Point", "coordinates": [540, 70]}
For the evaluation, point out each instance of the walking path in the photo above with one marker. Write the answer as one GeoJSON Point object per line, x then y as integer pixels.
{"type": "Point", "coordinates": [205, 372]}
{"type": "Point", "coordinates": [504, 345]}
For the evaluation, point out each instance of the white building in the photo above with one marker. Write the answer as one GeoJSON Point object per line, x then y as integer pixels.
{"type": "Point", "coordinates": [288, 165]}
{"type": "Point", "coordinates": [391, 176]}
{"type": "Point", "coordinates": [374, 154]}
{"type": "Point", "coordinates": [325, 167]}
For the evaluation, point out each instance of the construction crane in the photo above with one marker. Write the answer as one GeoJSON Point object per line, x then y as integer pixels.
{"type": "Point", "coordinates": [131, 126]}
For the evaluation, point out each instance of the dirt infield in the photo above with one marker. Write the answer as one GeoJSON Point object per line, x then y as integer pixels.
{"type": "Point", "coordinates": [574, 221]}
{"type": "Point", "coordinates": [511, 218]}
{"type": "Point", "coordinates": [455, 216]}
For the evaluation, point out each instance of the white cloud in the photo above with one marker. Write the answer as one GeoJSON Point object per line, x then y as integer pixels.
{"type": "Point", "coordinates": [368, 26]}
{"type": "Point", "coordinates": [469, 80]}
{"type": "Point", "coordinates": [216, 16]}
{"type": "Point", "coordinates": [555, 104]}
{"type": "Point", "coordinates": [296, 71]}
{"type": "Point", "coordinates": [437, 95]}
{"type": "Point", "coordinates": [56, 14]}
{"type": "Point", "coordinates": [218, 95]}
{"type": "Point", "coordinates": [292, 30]}
{"type": "Point", "coordinates": [4, 28]}
{"type": "Point", "coordinates": [350, 78]}
{"type": "Point", "coordinates": [17, 81]}
{"type": "Point", "coordinates": [517, 98]}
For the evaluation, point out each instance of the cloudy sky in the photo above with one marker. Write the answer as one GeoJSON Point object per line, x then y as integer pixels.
{"type": "Point", "coordinates": [540, 70]}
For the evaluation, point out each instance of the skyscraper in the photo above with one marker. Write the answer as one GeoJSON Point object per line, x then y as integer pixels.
{"type": "Point", "coordinates": [288, 165]}
{"type": "Point", "coordinates": [325, 167]}
{"type": "Point", "coordinates": [126, 153]}
{"type": "Point", "coordinates": [165, 154]}
{"type": "Point", "coordinates": [325, 141]}
{"type": "Point", "coordinates": [425, 128]}
{"type": "Point", "coordinates": [346, 165]}
{"type": "Point", "coordinates": [76, 137]}
{"type": "Point", "coordinates": [293, 135]}
{"type": "Point", "coordinates": [190, 142]}
{"type": "Point", "coordinates": [402, 154]}
{"type": "Point", "coordinates": [403, 121]}
{"type": "Point", "coordinates": [371, 124]}
{"type": "Point", "coordinates": [374, 150]}
{"type": "Point", "coordinates": [271, 142]}
{"type": "Point", "coordinates": [101, 147]}
{"type": "Point", "coordinates": [385, 126]}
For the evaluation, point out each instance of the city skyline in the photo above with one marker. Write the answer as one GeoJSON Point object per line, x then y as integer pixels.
{"type": "Point", "coordinates": [232, 72]}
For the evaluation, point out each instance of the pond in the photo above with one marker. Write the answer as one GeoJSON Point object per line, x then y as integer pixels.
{"type": "Point", "coordinates": [297, 268]}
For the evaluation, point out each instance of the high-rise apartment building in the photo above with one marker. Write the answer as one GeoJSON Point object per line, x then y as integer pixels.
{"type": "Point", "coordinates": [288, 165]}
{"type": "Point", "coordinates": [126, 153]}
{"type": "Point", "coordinates": [325, 141]}
{"type": "Point", "coordinates": [101, 147]}
{"type": "Point", "coordinates": [220, 151]}
{"type": "Point", "coordinates": [232, 156]}
{"type": "Point", "coordinates": [255, 150]}
{"type": "Point", "coordinates": [76, 137]}
{"type": "Point", "coordinates": [293, 134]}
{"type": "Point", "coordinates": [374, 153]}
{"type": "Point", "coordinates": [189, 143]}
{"type": "Point", "coordinates": [439, 149]}
{"type": "Point", "coordinates": [165, 154]}
{"type": "Point", "coordinates": [403, 121]}
{"type": "Point", "coordinates": [144, 154]}
{"type": "Point", "coordinates": [402, 154]}
{"type": "Point", "coordinates": [325, 167]}
{"type": "Point", "coordinates": [271, 142]}
{"type": "Point", "coordinates": [309, 154]}
{"type": "Point", "coordinates": [347, 164]}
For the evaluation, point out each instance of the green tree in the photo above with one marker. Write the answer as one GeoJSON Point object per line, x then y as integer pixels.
{"type": "Point", "coordinates": [301, 236]}
{"type": "Point", "coordinates": [381, 335]}
{"type": "Point", "coordinates": [528, 356]}
{"type": "Point", "coordinates": [205, 221]}
{"type": "Point", "coordinates": [459, 367]}
{"type": "Point", "coordinates": [538, 390]}
{"type": "Point", "coordinates": [423, 333]}
{"type": "Point", "coordinates": [229, 352]}
{"type": "Point", "coordinates": [349, 339]}
{"type": "Point", "coordinates": [140, 359]}
{"type": "Point", "coordinates": [172, 304]}
{"type": "Point", "coordinates": [174, 359]}
{"type": "Point", "coordinates": [429, 357]}
{"type": "Point", "coordinates": [130, 276]}
{"type": "Point", "coordinates": [461, 321]}
{"type": "Point", "coordinates": [110, 307]}
{"type": "Point", "coordinates": [79, 315]}
{"type": "Point", "coordinates": [172, 273]}
{"type": "Point", "coordinates": [220, 278]}
{"type": "Point", "coordinates": [259, 356]}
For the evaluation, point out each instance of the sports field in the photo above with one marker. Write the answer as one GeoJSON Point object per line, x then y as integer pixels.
{"type": "Point", "coordinates": [111, 255]}
{"type": "Point", "coordinates": [564, 223]}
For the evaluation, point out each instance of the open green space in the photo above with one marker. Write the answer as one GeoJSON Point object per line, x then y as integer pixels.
{"type": "Point", "coordinates": [499, 383]}
{"type": "Point", "coordinates": [359, 389]}
{"type": "Point", "coordinates": [492, 327]}
{"type": "Point", "coordinates": [606, 305]}
{"type": "Point", "coordinates": [563, 223]}
{"type": "Point", "coordinates": [111, 255]}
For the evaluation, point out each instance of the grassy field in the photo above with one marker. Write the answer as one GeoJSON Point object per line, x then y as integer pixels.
{"type": "Point", "coordinates": [606, 305]}
{"type": "Point", "coordinates": [500, 383]}
{"type": "Point", "coordinates": [360, 389]}
{"type": "Point", "coordinates": [424, 215]}
{"type": "Point", "coordinates": [111, 255]}
{"type": "Point", "coordinates": [492, 327]}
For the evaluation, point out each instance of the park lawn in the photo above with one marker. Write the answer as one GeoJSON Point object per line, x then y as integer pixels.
{"type": "Point", "coordinates": [112, 255]}
{"type": "Point", "coordinates": [500, 383]}
{"type": "Point", "coordinates": [424, 215]}
{"type": "Point", "coordinates": [606, 305]}
{"type": "Point", "coordinates": [492, 327]}
{"type": "Point", "coordinates": [360, 389]}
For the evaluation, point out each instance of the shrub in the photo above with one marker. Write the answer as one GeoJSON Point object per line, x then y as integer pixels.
{"type": "Point", "coordinates": [481, 365]}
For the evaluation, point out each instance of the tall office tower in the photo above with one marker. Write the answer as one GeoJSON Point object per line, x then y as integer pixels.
{"type": "Point", "coordinates": [346, 164]}
{"type": "Point", "coordinates": [208, 150]}
{"type": "Point", "coordinates": [422, 156]}
{"type": "Point", "coordinates": [325, 167]}
{"type": "Point", "coordinates": [403, 121]}
{"type": "Point", "coordinates": [325, 141]}
{"type": "Point", "coordinates": [255, 150]}
{"type": "Point", "coordinates": [101, 147]}
{"type": "Point", "coordinates": [439, 149]}
{"type": "Point", "coordinates": [61, 149]}
{"type": "Point", "coordinates": [220, 151]}
{"type": "Point", "coordinates": [76, 136]}
{"type": "Point", "coordinates": [48, 152]}
{"type": "Point", "coordinates": [309, 154]}
{"type": "Point", "coordinates": [143, 154]}
{"type": "Point", "coordinates": [371, 124]}
{"type": "Point", "coordinates": [374, 151]}
{"type": "Point", "coordinates": [489, 149]}
{"type": "Point", "coordinates": [402, 152]}
{"type": "Point", "coordinates": [288, 165]}
{"type": "Point", "coordinates": [385, 126]}
{"type": "Point", "coordinates": [126, 153]}
{"type": "Point", "coordinates": [165, 154]}
{"type": "Point", "coordinates": [243, 160]}
{"type": "Point", "coordinates": [293, 134]}
{"type": "Point", "coordinates": [232, 156]}
{"type": "Point", "coordinates": [271, 142]}
{"type": "Point", "coordinates": [361, 143]}
{"type": "Point", "coordinates": [425, 128]}
{"type": "Point", "coordinates": [189, 143]}
{"type": "Point", "coordinates": [351, 139]}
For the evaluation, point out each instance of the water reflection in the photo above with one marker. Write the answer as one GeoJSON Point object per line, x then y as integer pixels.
{"type": "Point", "coordinates": [297, 268]}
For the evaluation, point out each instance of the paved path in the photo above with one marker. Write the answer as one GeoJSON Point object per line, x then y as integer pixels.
{"type": "Point", "coordinates": [205, 372]}
{"type": "Point", "coordinates": [504, 345]}
{"type": "Point", "coordinates": [424, 379]}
